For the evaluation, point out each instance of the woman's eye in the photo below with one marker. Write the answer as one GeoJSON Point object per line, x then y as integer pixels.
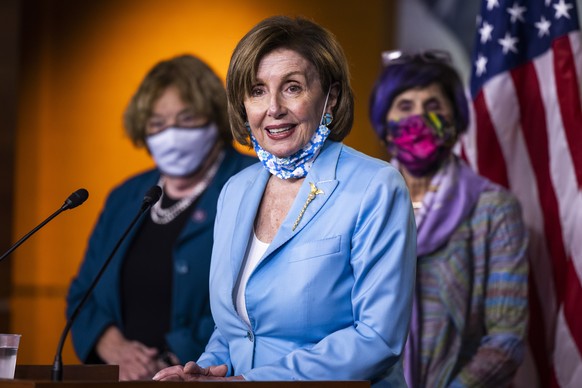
{"type": "Point", "coordinates": [256, 92]}
{"type": "Point", "coordinates": [294, 88]}
{"type": "Point", "coordinates": [433, 106]}
{"type": "Point", "coordinates": [155, 124]}
{"type": "Point", "coordinates": [404, 106]}
{"type": "Point", "coordinates": [185, 120]}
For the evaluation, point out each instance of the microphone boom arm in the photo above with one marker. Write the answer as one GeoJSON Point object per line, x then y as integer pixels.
{"type": "Point", "coordinates": [26, 236]}
{"type": "Point", "coordinates": [74, 200]}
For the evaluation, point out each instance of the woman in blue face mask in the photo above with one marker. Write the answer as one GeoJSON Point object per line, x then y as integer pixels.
{"type": "Point", "coordinates": [151, 307]}
{"type": "Point", "coordinates": [470, 306]}
{"type": "Point", "coordinates": [313, 262]}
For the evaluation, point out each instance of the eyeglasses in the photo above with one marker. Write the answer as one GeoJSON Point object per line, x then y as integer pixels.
{"type": "Point", "coordinates": [428, 56]}
{"type": "Point", "coordinates": [185, 119]}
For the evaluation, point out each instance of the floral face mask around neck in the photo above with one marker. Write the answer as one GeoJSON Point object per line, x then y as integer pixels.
{"type": "Point", "coordinates": [421, 143]}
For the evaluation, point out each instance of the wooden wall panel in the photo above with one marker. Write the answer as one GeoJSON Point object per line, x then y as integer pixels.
{"type": "Point", "coordinates": [9, 41]}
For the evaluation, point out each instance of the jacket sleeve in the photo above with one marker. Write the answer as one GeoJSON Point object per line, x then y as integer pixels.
{"type": "Point", "coordinates": [383, 262]}
{"type": "Point", "coordinates": [501, 350]}
{"type": "Point", "coordinates": [216, 352]}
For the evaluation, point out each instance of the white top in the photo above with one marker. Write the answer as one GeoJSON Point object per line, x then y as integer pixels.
{"type": "Point", "coordinates": [255, 252]}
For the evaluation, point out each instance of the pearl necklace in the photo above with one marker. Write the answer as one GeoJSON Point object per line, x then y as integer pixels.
{"type": "Point", "coordinates": [164, 216]}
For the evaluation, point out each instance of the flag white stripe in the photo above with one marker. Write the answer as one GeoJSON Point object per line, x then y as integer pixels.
{"type": "Point", "coordinates": [504, 114]}
{"type": "Point", "coordinates": [576, 45]}
{"type": "Point", "coordinates": [567, 360]}
{"type": "Point", "coordinates": [562, 171]}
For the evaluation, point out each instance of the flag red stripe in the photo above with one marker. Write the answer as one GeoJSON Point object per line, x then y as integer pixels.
{"type": "Point", "coordinates": [573, 305]}
{"type": "Point", "coordinates": [490, 160]}
{"type": "Point", "coordinates": [536, 139]}
{"type": "Point", "coordinates": [567, 87]}
{"type": "Point", "coordinates": [536, 335]}
{"type": "Point", "coordinates": [534, 130]}
{"type": "Point", "coordinates": [569, 98]}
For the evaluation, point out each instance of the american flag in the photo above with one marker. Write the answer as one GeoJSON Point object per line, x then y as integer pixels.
{"type": "Point", "coordinates": [527, 135]}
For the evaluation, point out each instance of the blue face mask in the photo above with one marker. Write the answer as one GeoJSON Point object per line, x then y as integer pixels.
{"type": "Point", "coordinates": [181, 151]}
{"type": "Point", "coordinates": [298, 164]}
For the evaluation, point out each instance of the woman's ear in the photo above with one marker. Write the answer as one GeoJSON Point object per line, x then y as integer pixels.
{"type": "Point", "coordinates": [333, 98]}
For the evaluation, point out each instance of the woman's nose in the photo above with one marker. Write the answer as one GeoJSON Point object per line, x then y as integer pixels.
{"type": "Point", "coordinates": [276, 108]}
{"type": "Point", "coordinates": [417, 110]}
{"type": "Point", "coordinates": [173, 122]}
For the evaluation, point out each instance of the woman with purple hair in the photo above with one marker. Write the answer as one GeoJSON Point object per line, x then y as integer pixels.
{"type": "Point", "coordinates": [470, 312]}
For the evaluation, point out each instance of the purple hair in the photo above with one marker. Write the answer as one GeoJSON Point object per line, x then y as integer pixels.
{"type": "Point", "coordinates": [412, 73]}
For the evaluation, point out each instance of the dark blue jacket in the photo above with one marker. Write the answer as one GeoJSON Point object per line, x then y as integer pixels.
{"type": "Point", "coordinates": [191, 321]}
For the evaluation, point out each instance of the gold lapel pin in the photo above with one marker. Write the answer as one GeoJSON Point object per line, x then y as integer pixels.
{"type": "Point", "coordinates": [312, 193]}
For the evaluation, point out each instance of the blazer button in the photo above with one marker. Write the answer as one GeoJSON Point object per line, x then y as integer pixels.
{"type": "Point", "coordinates": [181, 267]}
{"type": "Point", "coordinates": [250, 336]}
{"type": "Point", "coordinates": [199, 215]}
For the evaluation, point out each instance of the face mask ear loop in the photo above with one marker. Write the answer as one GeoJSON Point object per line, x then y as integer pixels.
{"type": "Point", "coordinates": [322, 121]}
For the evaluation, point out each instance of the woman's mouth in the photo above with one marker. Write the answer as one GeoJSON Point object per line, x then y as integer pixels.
{"type": "Point", "coordinates": [279, 131]}
{"type": "Point", "coordinates": [275, 131]}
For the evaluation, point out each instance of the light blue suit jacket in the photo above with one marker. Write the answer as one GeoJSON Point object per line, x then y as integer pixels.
{"type": "Point", "coordinates": [330, 300]}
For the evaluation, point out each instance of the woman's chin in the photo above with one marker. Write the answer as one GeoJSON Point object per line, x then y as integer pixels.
{"type": "Point", "coordinates": [281, 151]}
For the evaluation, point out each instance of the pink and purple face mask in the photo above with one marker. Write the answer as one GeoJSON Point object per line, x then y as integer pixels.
{"type": "Point", "coordinates": [421, 143]}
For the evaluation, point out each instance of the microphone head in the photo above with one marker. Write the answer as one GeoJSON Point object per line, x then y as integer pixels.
{"type": "Point", "coordinates": [152, 196]}
{"type": "Point", "coordinates": [75, 199]}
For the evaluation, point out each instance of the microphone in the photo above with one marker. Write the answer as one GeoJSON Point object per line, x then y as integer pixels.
{"type": "Point", "coordinates": [74, 200]}
{"type": "Point", "coordinates": [151, 197]}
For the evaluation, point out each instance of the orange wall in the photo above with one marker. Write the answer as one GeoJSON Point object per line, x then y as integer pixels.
{"type": "Point", "coordinates": [81, 63]}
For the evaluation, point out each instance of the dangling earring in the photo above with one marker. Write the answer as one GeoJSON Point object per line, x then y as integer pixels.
{"type": "Point", "coordinates": [247, 126]}
{"type": "Point", "coordinates": [327, 119]}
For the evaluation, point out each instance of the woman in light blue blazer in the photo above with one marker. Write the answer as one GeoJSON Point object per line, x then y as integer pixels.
{"type": "Point", "coordinates": [314, 254]}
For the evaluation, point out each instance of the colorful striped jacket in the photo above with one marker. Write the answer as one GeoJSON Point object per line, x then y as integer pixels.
{"type": "Point", "coordinates": [473, 299]}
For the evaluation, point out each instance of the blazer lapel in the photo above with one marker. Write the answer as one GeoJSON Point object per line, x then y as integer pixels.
{"type": "Point", "coordinates": [249, 201]}
{"type": "Point", "coordinates": [322, 176]}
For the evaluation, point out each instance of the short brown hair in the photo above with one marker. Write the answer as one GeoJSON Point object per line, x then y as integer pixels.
{"type": "Point", "coordinates": [199, 87]}
{"type": "Point", "coordinates": [314, 43]}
